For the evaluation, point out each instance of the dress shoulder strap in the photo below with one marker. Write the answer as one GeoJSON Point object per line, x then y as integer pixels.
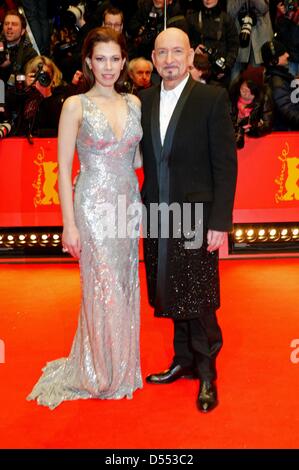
{"type": "Point", "coordinates": [131, 104]}
{"type": "Point", "coordinates": [83, 98]}
{"type": "Point", "coordinates": [84, 102]}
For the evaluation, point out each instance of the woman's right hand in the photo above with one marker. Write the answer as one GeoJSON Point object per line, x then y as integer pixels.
{"type": "Point", "coordinates": [29, 79]}
{"type": "Point", "coordinates": [71, 241]}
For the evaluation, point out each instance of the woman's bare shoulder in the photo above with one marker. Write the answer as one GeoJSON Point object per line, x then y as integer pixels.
{"type": "Point", "coordinates": [72, 102]}
{"type": "Point", "coordinates": [73, 106]}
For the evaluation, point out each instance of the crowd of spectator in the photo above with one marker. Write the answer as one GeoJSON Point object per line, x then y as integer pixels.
{"type": "Point", "coordinates": [250, 47]}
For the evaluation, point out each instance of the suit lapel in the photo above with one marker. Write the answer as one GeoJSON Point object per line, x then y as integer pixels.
{"type": "Point", "coordinates": [155, 126]}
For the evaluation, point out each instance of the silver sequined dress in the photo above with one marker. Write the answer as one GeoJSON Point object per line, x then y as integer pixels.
{"type": "Point", "coordinates": [104, 361]}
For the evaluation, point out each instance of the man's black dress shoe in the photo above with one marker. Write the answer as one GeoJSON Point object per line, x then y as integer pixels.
{"type": "Point", "coordinates": [207, 397]}
{"type": "Point", "coordinates": [171, 375]}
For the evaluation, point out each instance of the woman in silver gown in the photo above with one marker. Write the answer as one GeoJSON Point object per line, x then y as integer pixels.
{"type": "Point", "coordinates": [101, 228]}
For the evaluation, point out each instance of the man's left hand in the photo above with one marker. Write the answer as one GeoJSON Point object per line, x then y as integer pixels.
{"type": "Point", "coordinates": [215, 239]}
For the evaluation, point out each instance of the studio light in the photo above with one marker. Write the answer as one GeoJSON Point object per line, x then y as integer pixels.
{"type": "Point", "coordinates": [31, 242]}
{"type": "Point", "coordinates": [268, 237]}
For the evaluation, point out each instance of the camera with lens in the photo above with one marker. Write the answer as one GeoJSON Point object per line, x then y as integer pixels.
{"type": "Point", "coordinates": [20, 83]}
{"type": "Point", "coordinates": [5, 128]}
{"type": "Point", "coordinates": [240, 130]}
{"type": "Point", "coordinates": [150, 30]}
{"type": "Point", "coordinates": [42, 77]}
{"type": "Point", "coordinates": [218, 64]}
{"type": "Point", "coordinates": [247, 20]}
{"type": "Point", "coordinates": [290, 5]}
{"type": "Point", "coordinates": [240, 133]}
{"type": "Point", "coordinates": [72, 16]}
{"type": "Point", "coordinates": [3, 52]}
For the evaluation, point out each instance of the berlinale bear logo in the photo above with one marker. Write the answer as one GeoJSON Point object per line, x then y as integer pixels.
{"type": "Point", "coordinates": [292, 180]}
{"type": "Point", "coordinates": [289, 177]}
{"type": "Point", "coordinates": [46, 193]}
{"type": "Point", "coordinates": [50, 193]}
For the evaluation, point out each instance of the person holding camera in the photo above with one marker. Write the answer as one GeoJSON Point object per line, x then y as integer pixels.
{"type": "Point", "coordinates": [70, 29]}
{"type": "Point", "coordinates": [149, 21]}
{"type": "Point", "coordinates": [281, 83]}
{"type": "Point", "coordinates": [251, 109]}
{"type": "Point", "coordinates": [41, 99]}
{"type": "Point", "coordinates": [113, 18]}
{"type": "Point", "coordinates": [287, 29]}
{"type": "Point", "coordinates": [253, 22]}
{"type": "Point", "coordinates": [5, 122]}
{"type": "Point", "coordinates": [213, 32]}
{"type": "Point", "coordinates": [15, 47]}
{"type": "Point", "coordinates": [97, 8]}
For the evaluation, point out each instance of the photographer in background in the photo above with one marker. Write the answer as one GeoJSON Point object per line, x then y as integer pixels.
{"type": "Point", "coordinates": [253, 23]}
{"type": "Point", "coordinates": [5, 122]}
{"type": "Point", "coordinates": [98, 8]}
{"type": "Point", "coordinates": [41, 100]}
{"type": "Point", "coordinates": [213, 32]}
{"type": "Point", "coordinates": [148, 22]}
{"type": "Point", "coordinates": [73, 21]}
{"type": "Point", "coordinates": [113, 18]}
{"type": "Point", "coordinates": [251, 108]}
{"type": "Point", "coordinates": [70, 29]}
{"type": "Point", "coordinates": [280, 81]}
{"type": "Point", "coordinates": [15, 47]}
{"type": "Point", "coordinates": [287, 29]}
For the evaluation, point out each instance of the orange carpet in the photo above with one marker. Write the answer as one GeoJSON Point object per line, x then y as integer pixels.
{"type": "Point", "coordinates": [258, 384]}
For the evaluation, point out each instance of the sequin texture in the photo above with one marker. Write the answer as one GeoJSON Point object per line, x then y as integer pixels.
{"type": "Point", "coordinates": [104, 361]}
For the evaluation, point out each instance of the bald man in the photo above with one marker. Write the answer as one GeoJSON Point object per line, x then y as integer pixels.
{"type": "Point", "coordinates": [189, 162]}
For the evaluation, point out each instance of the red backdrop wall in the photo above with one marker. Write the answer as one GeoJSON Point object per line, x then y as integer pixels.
{"type": "Point", "coordinates": [267, 189]}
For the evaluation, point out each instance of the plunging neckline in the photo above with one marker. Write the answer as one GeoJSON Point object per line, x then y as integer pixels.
{"type": "Point", "coordinates": [108, 122]}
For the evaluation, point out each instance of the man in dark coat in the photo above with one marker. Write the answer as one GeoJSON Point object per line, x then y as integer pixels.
{"type": "Point", "coordinates": [215, 30]}
{"type": "Point", "coordinates": [282, 85]}
{"type": "Point", "coordinates": [16, 45]}
{"type": "Point", "coordinates": [148, 21]}
{"type": "Point", "coordinates": [189, 158]}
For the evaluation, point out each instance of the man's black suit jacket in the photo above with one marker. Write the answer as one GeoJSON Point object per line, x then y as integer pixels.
{"type": "Point", "coordinates": [199, 148]}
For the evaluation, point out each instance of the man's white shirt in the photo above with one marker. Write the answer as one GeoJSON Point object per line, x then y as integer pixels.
{"type": "Point", "coordinates": [168, 101]}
